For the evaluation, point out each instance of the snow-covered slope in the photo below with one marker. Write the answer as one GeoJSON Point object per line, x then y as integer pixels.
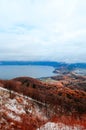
{"type": "Point", "coordinates": [18, 112]}
{"type": "Point", "coordinates": [16, 108]}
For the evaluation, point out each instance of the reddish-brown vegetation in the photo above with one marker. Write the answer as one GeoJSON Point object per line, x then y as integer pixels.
{"type": "Point", "coordinates": [66, 98]}
{"type": "Point", "coordinates": [72, 120]}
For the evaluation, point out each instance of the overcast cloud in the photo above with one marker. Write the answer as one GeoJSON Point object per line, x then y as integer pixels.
{"type": "Point", "coordinates": [43, 30]}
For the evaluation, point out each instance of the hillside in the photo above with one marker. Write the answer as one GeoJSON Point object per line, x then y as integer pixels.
{"type": "Point", "coordinates": [58, 102]}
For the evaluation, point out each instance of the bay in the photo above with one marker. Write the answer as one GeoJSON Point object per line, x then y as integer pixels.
{"type": "Point", "coordinates": [12, 71]}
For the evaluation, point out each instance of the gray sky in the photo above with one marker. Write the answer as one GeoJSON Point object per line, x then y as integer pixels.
{"type": "Point", "coordinates": [43, 30]}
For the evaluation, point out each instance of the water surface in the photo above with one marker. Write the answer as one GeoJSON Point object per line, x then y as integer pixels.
{"type": "Point", "coordinates": [8, 72]}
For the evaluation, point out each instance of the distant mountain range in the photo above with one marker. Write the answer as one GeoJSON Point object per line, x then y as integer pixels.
{"type": "Point", "coordinates": [46, 63]}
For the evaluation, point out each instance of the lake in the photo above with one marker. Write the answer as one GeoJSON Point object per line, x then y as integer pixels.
{"type": "Point", "coordinates": [8, 72]}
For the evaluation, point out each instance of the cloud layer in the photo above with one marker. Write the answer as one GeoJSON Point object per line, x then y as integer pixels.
{"type": "Point", "coordinates": [43, 30]}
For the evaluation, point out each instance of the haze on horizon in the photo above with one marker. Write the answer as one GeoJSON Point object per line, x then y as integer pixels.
{"type": "Point", "coordinates": [53, 30]}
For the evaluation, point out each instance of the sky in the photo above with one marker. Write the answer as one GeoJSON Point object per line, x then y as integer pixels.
{"type": "Point", "coordinates": [53, 30]}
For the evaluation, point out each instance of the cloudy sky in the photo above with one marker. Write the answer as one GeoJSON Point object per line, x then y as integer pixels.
{"type": "Point", "coordinates": [43, 30]}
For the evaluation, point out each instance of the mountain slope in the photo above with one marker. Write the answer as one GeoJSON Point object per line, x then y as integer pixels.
{"type": "Point", "coordinates": [37, 103]}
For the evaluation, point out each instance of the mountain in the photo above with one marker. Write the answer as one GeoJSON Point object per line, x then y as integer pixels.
{"type": "Point", "coordinates": [43, 63]}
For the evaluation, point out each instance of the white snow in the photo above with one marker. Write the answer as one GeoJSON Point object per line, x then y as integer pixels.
{"type": "Point", "coordinates": [14, 117]}
{"type": "Point", "coordinates": [58, 126]}
{"type": "Point", "coordinates": [15, 108]}
{"type": "Point", "coordinates": [1, 88]}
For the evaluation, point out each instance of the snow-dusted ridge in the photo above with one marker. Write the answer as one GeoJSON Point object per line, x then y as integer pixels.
{"type": "Point", "coordinates": [11, 108]}
{"type": "Point", "coordinates": [27, 97]}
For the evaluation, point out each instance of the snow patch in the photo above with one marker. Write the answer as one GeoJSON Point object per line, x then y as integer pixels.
{"type": "Point", "coordinates": [58, 126]}
{"type": "Point", "coordinates": [13, 106]}
{"type": "Point", "coordinates": [14, 117]}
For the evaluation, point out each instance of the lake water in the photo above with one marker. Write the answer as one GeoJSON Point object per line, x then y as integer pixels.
{"type": "Point", "coordinates": [8, 72]}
